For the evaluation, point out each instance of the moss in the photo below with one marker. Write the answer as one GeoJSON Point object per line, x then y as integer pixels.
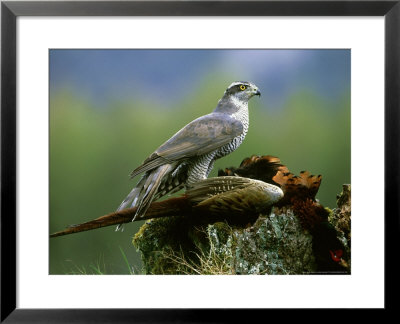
{"type": "Point", "coordinates": [183, 249]}
{"type": "Point", "coordinates": [161, 240]}
{"type": "Point", "coordinates": [220, 232]}
{"type": "Point", "coordinates": [155, 237]}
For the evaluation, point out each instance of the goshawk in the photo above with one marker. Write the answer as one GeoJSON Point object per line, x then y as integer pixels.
{"type": "Point", "coordinates": [189, 155]}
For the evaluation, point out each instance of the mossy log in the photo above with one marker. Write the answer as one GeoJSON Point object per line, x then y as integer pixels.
{"type": "Point", "coordinates": [275, 242]}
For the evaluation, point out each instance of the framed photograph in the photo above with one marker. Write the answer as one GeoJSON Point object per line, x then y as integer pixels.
{"type": "Point", "coordinates": [107, 83]}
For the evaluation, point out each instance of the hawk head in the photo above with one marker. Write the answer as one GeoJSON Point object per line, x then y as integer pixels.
{"type": "Point", "coordinates": [242, 90]}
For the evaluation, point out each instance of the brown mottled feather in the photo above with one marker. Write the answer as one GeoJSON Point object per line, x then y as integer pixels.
{"type": "Point", "coordinates": [257, 167]}
{"type": "Point", "coordinates": [171, 207]}
{"type": "Point", "coordinates": [299, 191]}
{"type": "Point", "coordinates": [304, 186]}
{"type": "Point", "coordinates": [223, 196]}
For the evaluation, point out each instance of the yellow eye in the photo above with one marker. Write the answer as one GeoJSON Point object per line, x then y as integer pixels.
{"type": "Point", "coordinates": [242, 87]}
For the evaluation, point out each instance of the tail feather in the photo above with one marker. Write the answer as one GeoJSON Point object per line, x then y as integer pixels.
{"type": "Point", "coordinates": [127, 201]}
{"type": "Point", "coordinates": [172, 207]}
{"type": "Point", "coordinates": [173, 183]}
{"type": "Point", "coordinates": [150, 188]}
{"type": "Point", "coordinates": [154, 184]}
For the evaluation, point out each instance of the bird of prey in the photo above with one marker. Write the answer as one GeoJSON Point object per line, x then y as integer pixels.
{"type": "Point", "coordinates": [189, 155]}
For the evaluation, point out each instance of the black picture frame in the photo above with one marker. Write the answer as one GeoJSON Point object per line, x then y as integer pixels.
{"type": "Point", "coordinates": [10, 10]}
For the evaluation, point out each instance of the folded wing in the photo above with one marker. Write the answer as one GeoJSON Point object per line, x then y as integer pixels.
{"type": "Point", "coordinates": [201, 136]}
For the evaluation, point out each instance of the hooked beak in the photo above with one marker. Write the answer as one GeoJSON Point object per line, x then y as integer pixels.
{"type": "Point", "coordinates": [257, 93]}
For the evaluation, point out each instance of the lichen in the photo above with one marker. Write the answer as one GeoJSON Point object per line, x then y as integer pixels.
{"type": "Point", "coordinates": [340, 218]}
{"type": "Point", "coordinates": [275, 244]}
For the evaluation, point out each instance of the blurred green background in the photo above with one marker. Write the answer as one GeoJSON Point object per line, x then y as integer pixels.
{"type": "Point", "coordinates": [110, 109]}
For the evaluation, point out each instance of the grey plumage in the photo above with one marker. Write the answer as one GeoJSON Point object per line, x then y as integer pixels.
{"type": "Point", "coordinates": [189, 155]}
